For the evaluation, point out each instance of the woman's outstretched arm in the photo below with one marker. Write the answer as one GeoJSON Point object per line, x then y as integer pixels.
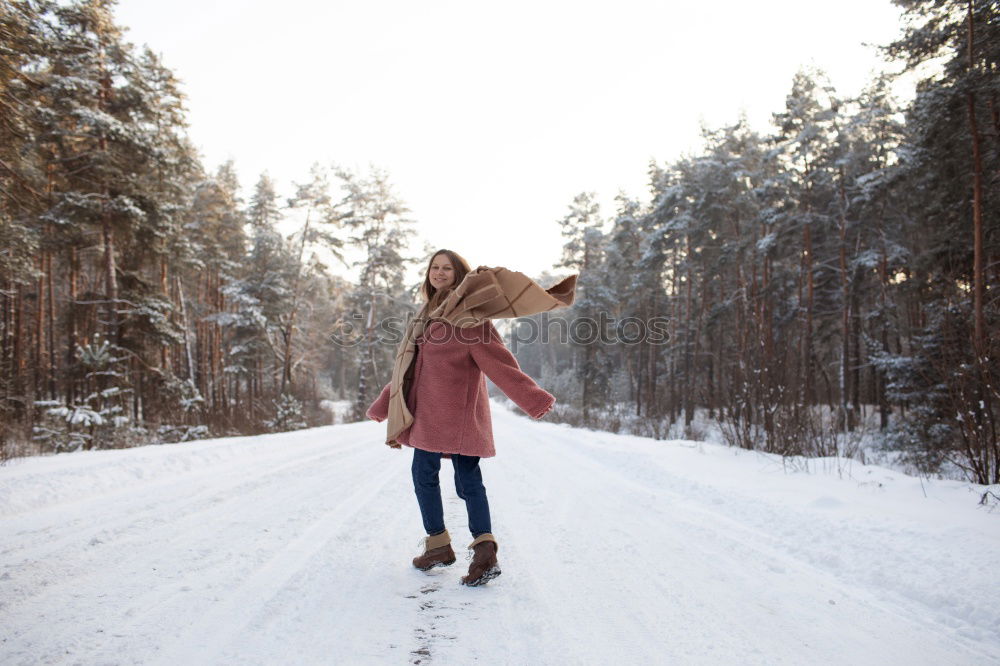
{"type": "Point", "coordinates": [497, 363]}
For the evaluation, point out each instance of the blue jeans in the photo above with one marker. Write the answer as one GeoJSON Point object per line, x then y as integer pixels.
{"type": "Point", "coordinates": [468, 485]}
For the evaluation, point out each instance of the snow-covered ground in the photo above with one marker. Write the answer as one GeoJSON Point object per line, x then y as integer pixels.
{"type": "Point", "coordinates": [295, 548]}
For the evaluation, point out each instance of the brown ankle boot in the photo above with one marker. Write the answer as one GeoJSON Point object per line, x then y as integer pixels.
{"type": "Point", "coordinates": [484, 566]}
{"type": "Point", "coordinates": [437, 552]}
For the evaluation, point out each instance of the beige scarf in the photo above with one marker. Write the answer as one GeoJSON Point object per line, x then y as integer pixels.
{"type": "Point", "coordinates": [485, 293]}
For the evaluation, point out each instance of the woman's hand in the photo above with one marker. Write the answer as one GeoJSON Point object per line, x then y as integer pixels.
{"type": "Point", "coordinates": [546, 410]}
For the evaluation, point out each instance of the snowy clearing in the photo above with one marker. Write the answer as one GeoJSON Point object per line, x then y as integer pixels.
{"type": "Point", "coordinates": [295, 549]}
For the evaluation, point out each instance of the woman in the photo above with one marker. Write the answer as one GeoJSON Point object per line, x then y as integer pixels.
{"type": "Point", "coordinates": [450, 410]}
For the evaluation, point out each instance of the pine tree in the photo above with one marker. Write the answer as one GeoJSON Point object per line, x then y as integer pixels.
{"type": "Point", "coordinates": [806, 136]}
{"type": "Point", "coordinates": [583, 252]}
{"type": "Point", "coordinates": [314, 196]}
{"type": "Point", "coordinates": [379, 231]}
{"type": "Point", "coordinates": [288, 415]}
{"type": "Point", "coordinates": [263, 294]}
{"type": "Point", "coordinates": [950, 170]}
{"type": "Point", "coordinates": [22, 197]}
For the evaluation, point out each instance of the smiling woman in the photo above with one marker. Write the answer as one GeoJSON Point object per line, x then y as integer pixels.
{"type": "Point", "coordinates": [445, 393]}
{"type": "Point", "coordinates": [445, 271]}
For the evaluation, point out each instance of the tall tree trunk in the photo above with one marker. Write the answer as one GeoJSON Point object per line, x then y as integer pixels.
{"type": "Point", "coordinates": [110, 279]}
{"type": "Point", "coordinates": [807, 353]}
{"type": "Point", "coordinates": [51, 364]}
{"type": "Point", "coordinates": [367, 358]}
{"type": "Point", "coordinates": [979, 343]}
{"type": "Point", "coordinates": [5, 364]}
{"type": "Point", "coordinates": [220, 306]}
{"type": "Point", "coordinates": [857, 348]}
{"type": "Point", "coordinates": [767, 364]}
{"type": "Point", "coordinates": [201, 346]}
{"type": "Point", "coordinates": [38, 352]}
{"type": "Point", "coordinates": [5, 331]}
{"type": "Point", "coordinates": [845, 313]}
{"type": "Point", "coordinates": [20, 363]}
{"type": "Point", "coordinates": [714, 346]}
{"type": "Point", "coordinates": [71, 323]}
{"type": "Point", "coordinates": [688, 316]}
{"type": "Point", "coordinates": [256, 379]}
{"type": "Point", "coordinates": [653, 371]}
{"type": "Point", "coordinates": [636, 373]}
{"type": "Point", "coordinates": [215, 347]}
{"type": "Point", "coordinates": [985, 434]}
{"type": "Point", "coordinates": [286, 371]}
{"type": "Point", "coordinates": [107, 232]}
{"type": "Point", "coordinates": [188, 353]}
{"type": "Point", "coordinates": [165, 290]}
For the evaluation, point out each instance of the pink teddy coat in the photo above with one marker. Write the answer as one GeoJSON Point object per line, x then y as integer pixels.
{"type": "Point", "coordinates": [448, 398]}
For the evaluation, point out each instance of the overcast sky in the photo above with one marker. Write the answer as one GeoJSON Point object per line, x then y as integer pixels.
{"type": "Point", "coordinates": [491, 117]}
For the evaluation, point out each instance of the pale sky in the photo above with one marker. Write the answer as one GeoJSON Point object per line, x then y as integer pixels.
{"type": "Point", "coordinates": [491, 117]}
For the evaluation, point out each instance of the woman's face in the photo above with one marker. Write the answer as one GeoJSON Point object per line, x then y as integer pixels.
{"type": "Point", "coordinates": [441, 272]}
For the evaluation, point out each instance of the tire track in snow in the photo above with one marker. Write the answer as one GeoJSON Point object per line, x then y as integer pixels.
{"type": "Point", "coordinates": [567, 559]}
{"type": "Point", "coordinates": [65, 480]}
{"type": "Point", "coordinates": [673, 546]}
{"type": "Point", "coordinates": [241, 605]}
{"type": "Point", "coordinates": [747, 523]}
{"type": "Point", "coordinates": [176, 508]}
{"type": "Point", "coordinates": [29, 542]}
{"type": "Point", "coordinates": [55, 583]}
{"type": "Point", "coordinates": [355, 602]}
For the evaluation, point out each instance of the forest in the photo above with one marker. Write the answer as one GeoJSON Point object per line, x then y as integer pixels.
{"type": "Point", "coordinates": [824, 287]}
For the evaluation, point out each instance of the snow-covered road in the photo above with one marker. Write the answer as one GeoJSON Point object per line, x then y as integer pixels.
{"type": "Point", "coordinates": [295, 549]}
